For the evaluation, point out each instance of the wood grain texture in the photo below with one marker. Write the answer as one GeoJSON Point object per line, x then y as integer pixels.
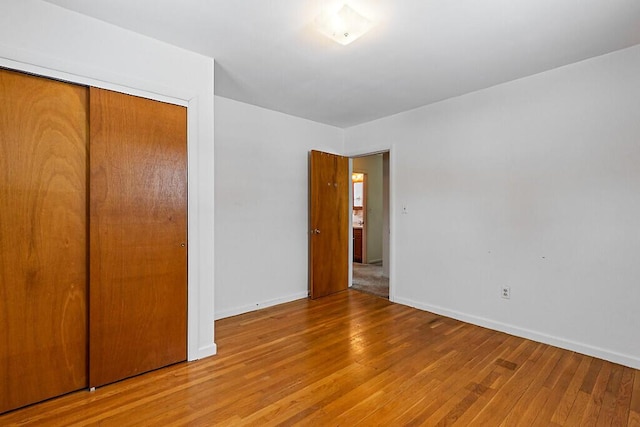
{"type": "Point", "coordinates": [634, 409]}
{"type": "Point", "coordinates": [330, 214]}
{"type": "Point", "coordinates": [358, 360]}
{"type": "Point", "coordinates": [138, 254]}
{"type": "Point", "coordinates": [43, 246]}
{"type": "Point", "coordinates": [357, 244]}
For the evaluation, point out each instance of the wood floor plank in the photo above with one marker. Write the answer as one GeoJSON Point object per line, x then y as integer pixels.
{"type": "Point", "coordinates": [568, 398]}
{"type": "Point", "coordinates": [623, 397]}
{"type": "Point", "coordinates": [609, 400]}
{"type": "Point", "coordinates": [525, 410]}
{"type": "Point", "coordinates": [597, 394]}
{"type": "Point", "coordinates": [590, 379]}
{"type": "Point", "coordinates": [369, 391]}
{"type": "Point", "coordinates": [506, 397]}
{"type": "Point", "coordinates": [446, 410]}
{"type": "Point", "coordinates": [578, 409]}
{"type": "Point", "coordinates": [557, 390]}
{"type": "Point", "coordinates": [357, 360]}
{"type": "Point", "coordinates": [634, 407]}
{"type": "Point", "coordinates": [485, 377]}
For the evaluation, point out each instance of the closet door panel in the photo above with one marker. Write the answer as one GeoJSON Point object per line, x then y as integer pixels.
{"type": "Point", "coordinates": [43, 245]}
{"type": "Point", "coordinates": [138, 220]}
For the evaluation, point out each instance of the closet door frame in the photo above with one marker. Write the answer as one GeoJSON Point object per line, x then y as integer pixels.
{"type": "Point", "coordinates": [197, 96]}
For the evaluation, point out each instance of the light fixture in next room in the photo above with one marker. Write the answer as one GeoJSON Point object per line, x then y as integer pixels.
{"type": "Point", "coordinates": [343, 26]}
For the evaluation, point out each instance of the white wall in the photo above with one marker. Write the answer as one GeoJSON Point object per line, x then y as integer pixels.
{"type": "Point", "coordinates": [533, 184]}
{"type": "Point", "coordinates": [372, 166]}
{"type": "Point", "coordinates": [44, 39]}
{"type": "Point", "coordinates": [261, 204]}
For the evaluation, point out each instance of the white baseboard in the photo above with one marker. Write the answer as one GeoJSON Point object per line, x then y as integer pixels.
{"type": "Point", "coordinates": [203, 352]}
{"type": "Point", "coordinates": [589, 350]}
{"type": "Point", "coordinates": [221, 314]}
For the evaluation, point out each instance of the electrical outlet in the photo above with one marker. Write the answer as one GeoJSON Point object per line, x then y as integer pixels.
{"type": "Point", "coordinates": [506, 292]}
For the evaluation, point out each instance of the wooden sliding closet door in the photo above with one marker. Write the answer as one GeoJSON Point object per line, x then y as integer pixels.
{"type": "Point", "coordinates": [138, 232]}
{"type": "Point", "coordinates": [43, 246]}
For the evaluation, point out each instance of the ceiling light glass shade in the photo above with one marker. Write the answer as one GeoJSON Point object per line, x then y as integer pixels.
{"type": "Point", "coordinates": [343, 26]}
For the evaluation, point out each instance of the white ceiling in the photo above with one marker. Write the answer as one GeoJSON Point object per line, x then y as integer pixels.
{"type": "Point", "coordinates": [268, 53]}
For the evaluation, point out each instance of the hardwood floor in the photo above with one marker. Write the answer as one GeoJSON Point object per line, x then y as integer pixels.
{"type": "Point", "coordinates": [355, 359]}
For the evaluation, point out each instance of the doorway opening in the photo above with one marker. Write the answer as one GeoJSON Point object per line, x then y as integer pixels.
{"type": "Point", "coordinates": [370, 224]}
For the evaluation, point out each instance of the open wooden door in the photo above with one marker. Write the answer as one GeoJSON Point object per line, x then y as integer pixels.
{"type": "Point", "coordinates": [43, 245]}
{"type": "Point", "coordinates": [330, 223]}
{"type": "Point", "coordinates": [138, 232]}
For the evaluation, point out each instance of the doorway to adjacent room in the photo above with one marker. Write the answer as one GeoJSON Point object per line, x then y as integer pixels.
{"type": "Point", "coordinates": [370, 224]}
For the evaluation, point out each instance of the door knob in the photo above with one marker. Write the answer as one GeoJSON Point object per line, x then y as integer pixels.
{"type": "Point", "coordinates": [315, 231]}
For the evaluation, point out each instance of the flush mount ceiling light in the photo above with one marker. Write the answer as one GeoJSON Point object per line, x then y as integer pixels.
{"type": "Point", "coordinates": [343, 26]}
